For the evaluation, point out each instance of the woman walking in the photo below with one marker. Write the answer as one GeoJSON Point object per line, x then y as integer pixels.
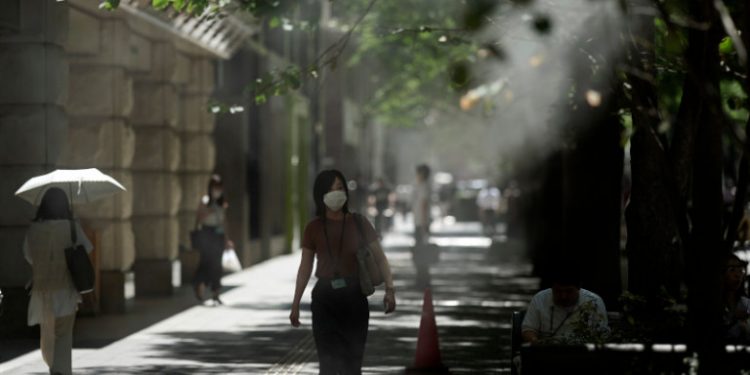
{"type": "Point", "coordinates": [54, 298]}
{"type": "Point", "coordinates": [211, 220]}
{"type": "Point", "coordinates": [340, 312]}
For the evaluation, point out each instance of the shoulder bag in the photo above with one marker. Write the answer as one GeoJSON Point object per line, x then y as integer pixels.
{"type": "Point", "coordinates": [369, 272]}
{"type": "Point", "coordinates": [79, 264]}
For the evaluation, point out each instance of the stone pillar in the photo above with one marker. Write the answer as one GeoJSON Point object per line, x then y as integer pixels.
{"type": "Point", "coordinates": [156, 184]}
{"type": "Point", "coordinates": [198, 150]}
{"type": "Point", "coordinates": [33, 77]}
{"type": "Point", "coordinates": [100, 136]}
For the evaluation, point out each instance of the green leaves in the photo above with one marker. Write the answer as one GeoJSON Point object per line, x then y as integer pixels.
{"type": "Point", "coordinates": [278, 82]}
{"type": "Point", "coordinates": [109, 5]}
{"type": "Point", "coordinates": [160, 4]}
{"type": "Point", "coordinates": [726, 46]}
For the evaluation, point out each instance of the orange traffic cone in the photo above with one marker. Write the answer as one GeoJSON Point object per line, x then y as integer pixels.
{"type": "Point", "coordinates": [428, 359]}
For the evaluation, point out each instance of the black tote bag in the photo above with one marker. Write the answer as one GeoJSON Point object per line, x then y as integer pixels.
{"type": "Point", "coordinates": [79, 264]}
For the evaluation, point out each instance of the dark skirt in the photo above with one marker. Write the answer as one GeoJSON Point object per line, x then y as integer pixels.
{"type": "Point", "coordinates": [209, 270]}
{"type": "Point", "coordinates": [340, 319]}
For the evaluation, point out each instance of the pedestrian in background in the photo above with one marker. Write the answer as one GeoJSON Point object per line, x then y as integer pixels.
{"type": "Point", "coordinates": [736, 317]}
{"type": "Point", "coordinates": [422, 254]}
{"type": "Point", "coordinates": [211, 221]}
{"type": "Point", "coordinates": [340, 311]}
{"type": "Point", "coordinates": [488, 205]}
{"type": "Point", "coordinates": [381, 195]}
{"type": "Point", "coordinates": [54, 298]}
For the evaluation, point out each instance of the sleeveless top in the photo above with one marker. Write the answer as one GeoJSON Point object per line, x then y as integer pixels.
{"type": "Point", "coordinates": [214, 218]}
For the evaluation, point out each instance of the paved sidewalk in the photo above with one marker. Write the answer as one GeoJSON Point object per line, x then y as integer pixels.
{"type": "Point", "coordinates": [475, 288]}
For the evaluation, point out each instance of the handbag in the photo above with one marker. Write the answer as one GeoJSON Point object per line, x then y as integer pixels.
{"type": "Point", "coordinates": [369, 272]}
{"type": "Point", "coordinates": [79, 265]}
{"type": "Point", "coordinates": [230, 262]}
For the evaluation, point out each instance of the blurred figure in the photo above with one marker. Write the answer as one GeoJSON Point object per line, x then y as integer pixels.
{"type": "Point", "coordinates": [421, 204]}
{"type": "Point", "coordinates": [515, 210]}
{"type": "Point", "coordinates": [488, 204]}
{"type": "Point", "coordinates": [54, 298]}
{"type": "Point", "coordinates": [554, 312]}
{"type": "Point", "coordinates": [421, 253]}
{"type": "Point", "coordinates": [340, 311]}
{"type": "Point", "coordinates": [736, 302]}
{"type": "Point", "coordinates": [380, 196]}
{"type": "Point", "coordinates": [211, 220]}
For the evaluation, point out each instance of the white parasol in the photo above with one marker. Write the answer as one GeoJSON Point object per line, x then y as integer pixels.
{"type": "Point", "coordinates": [81, 185]}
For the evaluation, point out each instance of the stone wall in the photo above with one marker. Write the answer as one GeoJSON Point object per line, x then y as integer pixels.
{"type": "Point", "coordinates": [100, 135]}
{"type": "Point", "coordinates": [33, 124]}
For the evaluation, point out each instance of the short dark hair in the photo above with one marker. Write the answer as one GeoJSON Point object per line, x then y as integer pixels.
{"type": "Point", "coordinates": [322, 185]}
{"type": "Point", "coordinates": [54, 206]}
{"type": "Point", "coordinates": [423, 170]}
{"type": "Point", "coordinates": [215, 181]}
{"type": "Point", "coordinates": [566, 275]}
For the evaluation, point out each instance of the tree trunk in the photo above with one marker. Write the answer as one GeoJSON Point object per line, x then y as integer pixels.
{"type": "Point", "coordinates": [704, 255]}
{"type": "Point", "coordinates": [654, 240]}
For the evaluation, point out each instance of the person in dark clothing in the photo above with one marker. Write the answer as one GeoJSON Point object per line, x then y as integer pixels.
{"type": "Point", "coordinates": [380, 194]}
{"type": "Point", "coordinates": [340, 312]}
{"type": "Point", "coordinates": [211, 219]}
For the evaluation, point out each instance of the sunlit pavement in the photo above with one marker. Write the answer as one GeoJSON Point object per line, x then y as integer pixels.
{"type": "Point", "coordinates": [475, 288]}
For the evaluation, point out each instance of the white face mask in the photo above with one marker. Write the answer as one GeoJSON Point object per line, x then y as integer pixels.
{"type": "Point", "coordinates": [334, 200]}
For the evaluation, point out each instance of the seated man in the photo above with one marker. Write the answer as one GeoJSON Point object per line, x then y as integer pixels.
{"type": "Point", "coordinates": [565, 312]}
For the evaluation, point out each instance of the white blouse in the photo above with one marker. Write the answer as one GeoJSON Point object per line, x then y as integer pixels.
{"type": "Point", "coordinates": [53, 293]}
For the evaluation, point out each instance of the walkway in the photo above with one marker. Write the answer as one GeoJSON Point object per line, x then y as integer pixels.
{"type": "Point", "coordinates": [475, 288]}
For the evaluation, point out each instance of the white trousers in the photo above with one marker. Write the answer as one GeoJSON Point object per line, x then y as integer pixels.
{"type": "Point", "coordinates": [56, 343]}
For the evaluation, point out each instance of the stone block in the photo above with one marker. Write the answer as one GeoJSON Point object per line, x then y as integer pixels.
{"type": "Point", "coordinates": [44, 21]}
{"type": "Point", "coordinates": [98, 142]}
{"type": "Point", "coordinates": [156, 194]}
{"type": "Point", "coordinates": [84, 37]}
{"type": "Point", "coordinates": [117, 206]}
{"type": "Point", "coordinates": [181, 73]}
{"type": "Point", "coordinates": [163, 63]}
{"type": "Point", "coordinates": [33, 74]}
{"type": "Point", "coordinates": [196, 116]}
{"type": "Point", "coordinates": [31, 134]}
{"type": "Point", "coordinates": [156, 104]}
{"type": "Point", "coordinates": [117, 291]}
{"type": "Point", "coordinates": [117, 243]}
{"type": "Point", "coordinates": [198, 153]}
{"type": "Point", "coordinates": [14, 269]}
{"type": "Point", "coordinates": [156, 237]}
{"type": "Point", "coordinates": [156, 149]}
{"type": "Point", "coordinates": [194, 187]}
{"type": "Point", "coordinates": [141, 53]}
{"type": "Point", "coordinates": [156, 277]}
{"type": "Point", "coordinates": [100, 41]}
{"type": "Point", "coordinates": [16, 211]}
{"type": "Point", "coordinates": [189, 260]}
{"type": "Point", "coordinates": [187, 224]}
{"type": "Point", "coordinates": [100, 91]}
{"type": "Point", "coordinates": [201, 77]}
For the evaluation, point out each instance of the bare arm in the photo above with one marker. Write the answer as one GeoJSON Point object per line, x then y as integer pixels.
{"type": "Point", "coordinates": [228, 243]}
{"type": "Point", "coordinates": [529, 336]}
{"type": "Point", "coordinates": [385, 269]}
{"type": "Point", "coordinates": [303, 277]}
{"type": "Point", "coordinates": [200, 214]}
